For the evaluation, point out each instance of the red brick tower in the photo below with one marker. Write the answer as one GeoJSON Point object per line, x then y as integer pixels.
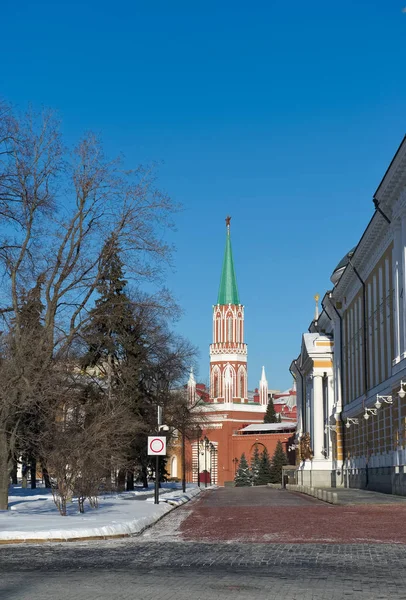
{"type": "Point", "coordinates": [228, 352]}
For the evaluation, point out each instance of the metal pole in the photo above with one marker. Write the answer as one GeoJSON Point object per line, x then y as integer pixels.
{"type": "Point", "coordinates": [156, 495]}
{"type": "Point", "coordinates": [211, 464]}
{"type": "Point", "coordinates": [205, 465]}
{"type": "Point", "coordinates": [183, 461]}
{"type": "Point", "coordinates": [156, 499]}
{"type": "Point", "coordinates": [198, 460]}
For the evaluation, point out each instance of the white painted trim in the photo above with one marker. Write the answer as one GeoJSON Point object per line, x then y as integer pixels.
{"type": "Point", "coordinates": [227, 357]}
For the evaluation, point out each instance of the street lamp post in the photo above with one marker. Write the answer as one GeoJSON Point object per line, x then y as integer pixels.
{"type": "Point", "coordinates": [205, 446]}
{"type": "Point", "coordinates": [215, 462]}
{"type": "Point", "coordinates": [198, 434]}
{"type": "Point", "coordinates": [212, 463]}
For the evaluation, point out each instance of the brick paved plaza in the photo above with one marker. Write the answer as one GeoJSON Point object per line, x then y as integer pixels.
{"type": "Point", "coordinates": [213, 549]}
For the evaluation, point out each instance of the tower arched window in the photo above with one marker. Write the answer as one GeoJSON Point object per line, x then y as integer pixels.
{"type": "Point", "coordinates": [215, 385]}
{"type": "Point", "coordinates": [229, 329]}
{"type": "Point", "coordinates": [239, 328]}
{"type": "Point", "coordinates": [242, 385]}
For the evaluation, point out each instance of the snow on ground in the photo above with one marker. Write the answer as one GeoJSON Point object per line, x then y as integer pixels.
{"type": "Point", "coordinates": [32, 514]}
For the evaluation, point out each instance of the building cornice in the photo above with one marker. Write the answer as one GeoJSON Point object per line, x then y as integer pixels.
{"type": "Point", "coordinates": [393, 181]}
{"type": "Point", "coordinates": [365, 257]}
{"type": "Point", "coordinates": [391, 199]}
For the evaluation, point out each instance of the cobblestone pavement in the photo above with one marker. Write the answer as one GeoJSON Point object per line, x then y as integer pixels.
{"type": "Point", "coordinates": [162, 564]}
{"type": "Point", "coordinates": [269, 515]}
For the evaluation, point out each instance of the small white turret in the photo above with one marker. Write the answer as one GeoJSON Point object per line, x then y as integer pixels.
{"type": "Point", "coordinates": [263, 389]}
{"type": "Point", "coordinates": [191, 389]}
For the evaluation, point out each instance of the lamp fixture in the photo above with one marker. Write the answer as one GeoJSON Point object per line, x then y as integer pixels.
{"type": "Point", "coordinates": [327, 427]}
{"type": "Point", "coordinates": [402, 392]}
{"type": "Point", "coordinates": [370, 411]}
{"type": "Point", "coordinates": [350, 422]}
{"type": "Point", "coordinates": [387, 399]}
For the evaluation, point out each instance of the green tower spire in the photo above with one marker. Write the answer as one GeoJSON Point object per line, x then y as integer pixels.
{"type": "Point", "coordinates": [228, 291]}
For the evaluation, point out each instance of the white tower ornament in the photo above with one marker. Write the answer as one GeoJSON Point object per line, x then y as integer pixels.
{"type": "Point", "coordinates": [263, 389]}
{"type": "Point", "coordinates": [316, 310]}
{"type": "Point", "coordinates": [191, 389]}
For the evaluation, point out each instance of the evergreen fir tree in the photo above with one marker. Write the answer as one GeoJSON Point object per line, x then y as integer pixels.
{"type": "Point", "coordinates": [270, 415]}
{"type": "Point", "coordinates": [279, 418]}
{"type": "Point", "coordinates": [28, 332]}
{"type": "Point", "coordinates": [255, 462]}
{"type": "Point", "coordinates": [243, 476]}
{"type": "Point", "coordinates": [278, 460]}
{"type": "Point", "coordinates": [264, 474]}
{"type": "Point", "coordinates": [112, 316]}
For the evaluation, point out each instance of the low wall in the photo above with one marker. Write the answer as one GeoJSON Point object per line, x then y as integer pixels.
{"type": "Point", "coordinates": [319, 493]}
{"type": "Point", "coordinates": [316, 478]}
{"type": "Point", "coordinates": [389, 480]}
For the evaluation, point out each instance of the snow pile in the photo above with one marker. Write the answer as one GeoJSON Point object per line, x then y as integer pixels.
{"type": "Point", "coordinates": [177, 500]}
{"type": "Point", "coordinates": [34, 516]}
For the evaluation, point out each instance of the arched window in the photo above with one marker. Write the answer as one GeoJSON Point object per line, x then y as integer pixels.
{"type": "Point", "coordinates": [229, 329]}
{"type": "Point", "coordinates": [260, 447]}
{"type": "Point", "coordinates": [242, 386]}
{"type": "Point", "coordinates": [215, 385]}
{"type": "Point", "coordinates": [174, 466]}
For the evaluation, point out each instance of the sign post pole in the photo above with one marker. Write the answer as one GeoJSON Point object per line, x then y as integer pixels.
{"type": "Point", "coordinates": [156, 500]}
{"type": "Point", "coordinates": [157, 448]}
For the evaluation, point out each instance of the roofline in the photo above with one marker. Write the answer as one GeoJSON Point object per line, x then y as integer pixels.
{"type": "Point", "coordinates": [355, 250]}
{"type": "Point", "coordinates": [390, 165]}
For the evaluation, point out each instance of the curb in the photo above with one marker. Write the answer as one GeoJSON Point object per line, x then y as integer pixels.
{"type": "Point", "coordinates": [319, 493]}
{"type": "Point", "coordinates": [135, 527]}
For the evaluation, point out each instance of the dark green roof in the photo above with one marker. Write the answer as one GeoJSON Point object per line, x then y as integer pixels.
{"type": "Point", "coordinates": [228, 291]}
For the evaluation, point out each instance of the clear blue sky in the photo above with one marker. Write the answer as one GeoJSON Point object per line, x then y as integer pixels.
{"type": "Point", "coordinates": [283, 114]}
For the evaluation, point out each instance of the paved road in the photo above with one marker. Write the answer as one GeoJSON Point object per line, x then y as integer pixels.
{"type": "Point", "coordinates": [268, 515]}
{"type": "Point", "coordinates": [165, 563]}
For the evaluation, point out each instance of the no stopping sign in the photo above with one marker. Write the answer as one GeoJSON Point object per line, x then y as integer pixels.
{"type": "Point", "coordinates": [156, 445]}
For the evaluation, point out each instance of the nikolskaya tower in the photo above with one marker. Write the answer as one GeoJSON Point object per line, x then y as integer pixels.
{"type": "Point", "coordinates": [228, 352]}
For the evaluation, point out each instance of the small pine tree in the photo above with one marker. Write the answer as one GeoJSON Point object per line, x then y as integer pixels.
{"type": "Point", "coordinates": [279, 418]}
{"type": "Point", "coordinates": [270, 415]}
{"type": "Point", "coordinates": [264, 473]}
{"type": "Point", "coordinates": [255, 462]}
{"type": "Point", "coordinates": [243, 476]}
{"type": "Point", "coordinates": [279, 459]}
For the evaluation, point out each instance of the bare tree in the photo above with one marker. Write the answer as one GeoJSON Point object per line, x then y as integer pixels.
{"type": "Point", "coordinates": [57, 209]}
{"type": "Point", "coordinates": [185, 419]}
{"type": "Point", "coordinates": [80, 441]}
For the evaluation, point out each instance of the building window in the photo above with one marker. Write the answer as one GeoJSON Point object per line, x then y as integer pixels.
{"type": "Point", "coordinates": [229, 329]}
{"type": "Point", "coordinates": [242, 385]}
{"type": "Point", "coordinates": [174, 467]}
{"type": "Point", "coordinates": [215, 386]}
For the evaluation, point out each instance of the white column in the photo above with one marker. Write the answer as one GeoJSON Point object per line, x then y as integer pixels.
{"type": "Point", "coordinates": [330, 394]}
{"type": "Point", "coordinates": [318, 417]}
{"type": "Point", "coordinates": [402, 300]}
{"type": "Point", "coordinates": [330, 407]}
{"type": "Point", "coordinates": [299, 404]}
{"type": "Point", "coordinates": [337, 366]}
{"type": "Point", "coordinates": [397, 272]}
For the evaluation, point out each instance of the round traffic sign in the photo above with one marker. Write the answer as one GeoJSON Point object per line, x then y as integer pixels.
{"type": "Point", "coordinates": [156, 445]}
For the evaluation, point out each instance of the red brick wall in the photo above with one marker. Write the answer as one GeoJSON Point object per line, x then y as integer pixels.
{"type": "Point", "coordinates": [231, 445]}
